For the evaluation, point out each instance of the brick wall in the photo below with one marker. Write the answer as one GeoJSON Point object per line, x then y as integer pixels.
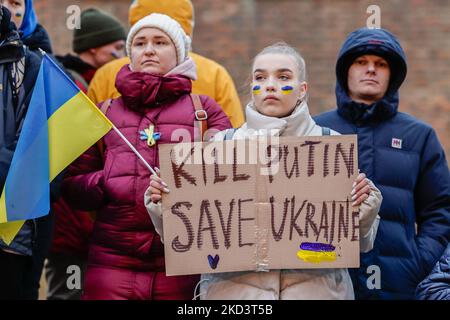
{"type": "Point", "coordinates": [52, 15]}
{"type": "Point", "coordinates": [233, 31]}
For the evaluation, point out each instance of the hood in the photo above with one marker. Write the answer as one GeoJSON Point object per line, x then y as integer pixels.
{"type": "Point", "coordinates": [38, 39]}
{"type": "Point", "coordinates": [29, 22]}
{"type": "Point", "coordinates": [379, 42]}
{"type": "Point", "coordinates": [180, 10]}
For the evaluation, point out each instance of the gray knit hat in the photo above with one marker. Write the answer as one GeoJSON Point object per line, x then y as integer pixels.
{"type": "Point", "coordinates": [97, 29]}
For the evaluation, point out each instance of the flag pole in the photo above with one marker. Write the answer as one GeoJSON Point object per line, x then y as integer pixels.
{"type": "Point", "coordinates": [113, 126]}
{"type": "Point", "coordinates": [134, 150]}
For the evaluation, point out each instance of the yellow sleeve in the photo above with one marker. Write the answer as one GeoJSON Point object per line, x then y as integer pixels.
{"type": "Point", "coordinates": [103, 84]}
{"type": "Point", "coordinates": [227, 96]}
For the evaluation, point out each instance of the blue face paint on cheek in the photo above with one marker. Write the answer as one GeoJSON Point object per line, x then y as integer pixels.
{"type": "Point", "coordinates": [256, 89]}
{"type": "Point", "coordinates": [287, 90]}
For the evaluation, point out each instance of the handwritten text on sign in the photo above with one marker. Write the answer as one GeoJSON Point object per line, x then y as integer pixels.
{"type": "Point", "coordinates": [260, 205]}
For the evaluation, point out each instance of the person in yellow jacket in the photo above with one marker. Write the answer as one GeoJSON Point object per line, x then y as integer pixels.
{"type": "Point", "coordinates": [212, 78]}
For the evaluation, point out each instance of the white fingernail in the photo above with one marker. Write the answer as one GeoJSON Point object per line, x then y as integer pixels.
{"type": "Point", "coordinates": [354, 197]}
{"type": "Point", "coordinates": [354, 185]}
{"type": "Point", "coordinates": [166, 190]}
{"type": "Point", "coordinates": [164, 184]}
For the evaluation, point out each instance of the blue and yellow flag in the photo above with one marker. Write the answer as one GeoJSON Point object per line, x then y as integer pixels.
{"type": "Point", "coordinates": [61, 123]}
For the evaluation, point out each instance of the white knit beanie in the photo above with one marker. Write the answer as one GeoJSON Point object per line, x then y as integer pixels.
{"type": "Point", "coordinates": [168, 25]}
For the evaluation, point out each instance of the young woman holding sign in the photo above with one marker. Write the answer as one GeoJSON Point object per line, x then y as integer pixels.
{"type": "Point", "coordinates": [279, 107]}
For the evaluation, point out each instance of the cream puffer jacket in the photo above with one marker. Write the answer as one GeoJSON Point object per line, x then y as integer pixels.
{"type": "Point", "coordinates": [312, 284]}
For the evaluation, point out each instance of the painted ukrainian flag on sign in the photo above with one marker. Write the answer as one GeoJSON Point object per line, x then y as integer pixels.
{"type": "Point", "coordinates": [61, 123]}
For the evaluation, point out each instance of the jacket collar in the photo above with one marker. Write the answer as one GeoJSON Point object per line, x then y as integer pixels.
{"type": "Point", "coordinates": [187, 68]}
{"type": "Point", "coordinates": [38, 39]}
{"type": "Point", "coordinates": [363, 114]}
{"type": "Point", "coordinates": [298, 123]}
{"type": "Point", "coordinates": [141, 90]}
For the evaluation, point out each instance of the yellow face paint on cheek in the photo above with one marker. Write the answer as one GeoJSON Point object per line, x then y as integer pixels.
{"type": "Point", "coordinates": [287, 90]}
{"type": "Point", "coordinates": [256, 89]}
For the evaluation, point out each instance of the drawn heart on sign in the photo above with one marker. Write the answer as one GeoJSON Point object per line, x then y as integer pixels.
{"type": "Point", "coordinates": [213, 261]}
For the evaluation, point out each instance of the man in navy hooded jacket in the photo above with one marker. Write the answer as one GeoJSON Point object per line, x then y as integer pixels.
{"type": "Point", "coordinates": [402, 156]}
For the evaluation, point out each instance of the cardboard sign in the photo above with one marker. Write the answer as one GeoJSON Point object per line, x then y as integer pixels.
{"type": "Point", "coordinates": [260, 205]}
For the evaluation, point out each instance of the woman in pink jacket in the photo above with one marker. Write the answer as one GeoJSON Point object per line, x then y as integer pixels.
{"type": "Point", "coordinates": [126, 256]}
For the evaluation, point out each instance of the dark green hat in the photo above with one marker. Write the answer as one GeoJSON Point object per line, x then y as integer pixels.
{"type": "Point", "coordinates": [97, 29]}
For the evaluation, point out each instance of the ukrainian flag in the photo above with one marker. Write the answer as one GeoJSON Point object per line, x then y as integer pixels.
{"type": "Point", "coordinates": [61, 123]}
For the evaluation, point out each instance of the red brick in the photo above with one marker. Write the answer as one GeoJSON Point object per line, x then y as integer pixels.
{"type": "Point", "coordinates": [233, 31]}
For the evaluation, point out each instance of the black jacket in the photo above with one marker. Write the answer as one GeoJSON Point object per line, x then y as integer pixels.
{"type": "Point", "coordinates": [39, 39]}
{"type": "Point", "coordinates": [13, 56]}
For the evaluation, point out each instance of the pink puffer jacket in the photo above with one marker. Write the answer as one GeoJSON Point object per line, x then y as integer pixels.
{"type": "Point", "coordinates": [123, 235]}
